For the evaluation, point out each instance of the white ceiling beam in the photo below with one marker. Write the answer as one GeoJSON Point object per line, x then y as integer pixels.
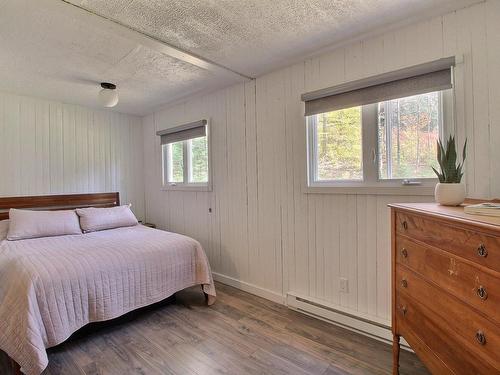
{"type": "Point", "coordinates": [95, 20]}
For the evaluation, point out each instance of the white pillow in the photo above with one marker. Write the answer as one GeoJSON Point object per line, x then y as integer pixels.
{"type": "Point", "coordinates": [4, 229]}
{"type": "Point", "coordinates": [93, 219]}
{"type": "Point", "coordinates": [33, 224]}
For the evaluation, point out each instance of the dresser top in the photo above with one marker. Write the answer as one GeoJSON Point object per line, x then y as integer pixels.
{"type": "Point", "coordinates": [451, 213]}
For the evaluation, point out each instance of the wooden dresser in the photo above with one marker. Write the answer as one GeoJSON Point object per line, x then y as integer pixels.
{"type": "Point", "coordinates": [446, 288]}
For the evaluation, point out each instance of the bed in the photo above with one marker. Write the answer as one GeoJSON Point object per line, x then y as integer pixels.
{"type": "Point", "coordinates": [50, 287]}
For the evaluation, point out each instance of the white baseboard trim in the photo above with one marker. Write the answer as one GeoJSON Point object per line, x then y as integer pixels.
{"type": "Point", "coordinates": [375, 328]}
{"type": "Point", "coordinates": [370, 326]}
{"type": "Point", "coordinates": [250, 288]}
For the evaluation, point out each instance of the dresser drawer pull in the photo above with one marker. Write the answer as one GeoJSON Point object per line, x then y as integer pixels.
{"type": "Point", "coordinates": [403, 310]}
{"type": "Point", "coordinates": [405, 225]}
{"type": "Point", "coordinates": [480, 337]}
{"type": "Point", "coordinates": [482, 293]}
{"type": "Point", "coordinates": [482, 251]}
{"type": "Point", "coordinates": [404, 283]}
{"type": "Point", "coordinates": [404, 252]}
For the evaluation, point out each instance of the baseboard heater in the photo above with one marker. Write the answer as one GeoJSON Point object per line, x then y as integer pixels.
{"type": "Point", "coordinates": [373, 327]}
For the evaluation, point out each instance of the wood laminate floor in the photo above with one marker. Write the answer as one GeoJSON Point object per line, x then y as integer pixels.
{"type": "Point", "coordinates": [240, 334]}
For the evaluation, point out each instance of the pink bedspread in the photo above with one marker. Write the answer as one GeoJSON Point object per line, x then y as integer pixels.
{"type": "Point", "coordinates": [51, 287]}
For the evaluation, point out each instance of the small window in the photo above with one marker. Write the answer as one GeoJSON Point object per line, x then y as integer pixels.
{"type": "Point", "coordinates": [408, 129]}
{"type": "Point", "coordinates": [198, 160]}
{"type": "Point", "coordinates": [391, 142]}
{"type": "Point", "coordinates": [174, 162]}
{"type": "Point", "coordinates": [186, 156]}
{"type": "Point", "coordinates": [337, 142]}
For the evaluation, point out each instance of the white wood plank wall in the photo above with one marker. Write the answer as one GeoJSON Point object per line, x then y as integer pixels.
{"type": "Point", "coordinates": [48, 147]}
{"type": "Point", "coordinates": [264, 231]}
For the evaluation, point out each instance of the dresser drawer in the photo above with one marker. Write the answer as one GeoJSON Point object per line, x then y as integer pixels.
{"type": "Point", "coordinates": [433, 363]}
{"type": "Point", "coordinates": [476, 286]}
{"type": "Point", "coordinates": [418, 324]}
{"type": "Point", "coordinates": [469, 244]}
{"type": "Point", "coordinates": [430, 311]}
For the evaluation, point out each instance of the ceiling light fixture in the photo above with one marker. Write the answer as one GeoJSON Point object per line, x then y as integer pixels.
{"type": "Point", "coordinates": [108, 96]}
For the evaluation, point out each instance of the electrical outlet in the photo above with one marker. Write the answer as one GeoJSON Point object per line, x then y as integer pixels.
{"type": "Point", "coordinates": [344, 285]}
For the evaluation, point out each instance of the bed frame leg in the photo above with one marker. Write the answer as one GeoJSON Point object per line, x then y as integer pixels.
{"type": "Point", "coordinates": [16, 369]}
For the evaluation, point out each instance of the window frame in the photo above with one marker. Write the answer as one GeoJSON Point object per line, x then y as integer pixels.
{"type": "Point", "coordinates": [371, 183]}
{"type": "Point", "coordinates": [186, 185]}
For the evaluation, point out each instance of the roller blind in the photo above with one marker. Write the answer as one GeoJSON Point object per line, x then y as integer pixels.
{"type": "Point", "coordinates": [183, 132]}
{"type": "Point", "coordinates": [419, 79]}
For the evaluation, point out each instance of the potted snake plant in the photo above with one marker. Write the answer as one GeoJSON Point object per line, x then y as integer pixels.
{"type": "Point", "coordinates": [450, 191]}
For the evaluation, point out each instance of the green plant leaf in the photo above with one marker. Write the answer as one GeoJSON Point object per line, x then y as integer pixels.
{"type": "Point", "coordinates": [451, 160]}
{"type": "Point", "coordinates": [459, 173]}
{"type": "Point", "coordinates": [464, 151]}
{"type": "Point", "coordinates": [440, 157]}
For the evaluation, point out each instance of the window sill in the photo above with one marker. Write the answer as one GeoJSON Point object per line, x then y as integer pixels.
{"type": "Point", "coordinates": [186, 188]}
{"type": "Point", "coordinates": [423, 190]}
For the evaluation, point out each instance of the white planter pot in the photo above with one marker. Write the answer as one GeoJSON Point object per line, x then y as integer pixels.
{"type": "Point", "coordinates": [449, 194]}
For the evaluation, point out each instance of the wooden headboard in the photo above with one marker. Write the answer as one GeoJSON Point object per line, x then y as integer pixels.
{"type": "Point", "coordinates": [58, 202]}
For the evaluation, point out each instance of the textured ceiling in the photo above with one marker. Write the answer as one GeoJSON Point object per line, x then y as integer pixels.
{"type": "Point", "coordinates": [256, 36]}
{"type": "Point", "coordinates": [52, 49]}
{"type": "Point", "coordinates": [58, 57]}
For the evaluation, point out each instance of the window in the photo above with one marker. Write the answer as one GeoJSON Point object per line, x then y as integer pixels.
{"type": "Point", "coordinates": [186, 156]}
{"type": "Point", "coordinates": [380, 131]}
{"type": "Point", "coordinates": [394, 140]}
{"type": "Point", "coordinates": [407, 131]}
{"type": "Point", "coordinates": [174, 162]}
{"type": "Point", "coordinates": [337, 145]}
{"type": "Point", "coordinates": [198, 160]}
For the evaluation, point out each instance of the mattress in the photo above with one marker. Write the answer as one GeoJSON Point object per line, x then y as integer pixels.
{"type": "Point", "coordinates": [50, 287]}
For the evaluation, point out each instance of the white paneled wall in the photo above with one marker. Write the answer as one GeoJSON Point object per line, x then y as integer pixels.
{"type": "Point", "coordinates": [264, 231]}
{"type": "Point", "coordinates": [48, 147]}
